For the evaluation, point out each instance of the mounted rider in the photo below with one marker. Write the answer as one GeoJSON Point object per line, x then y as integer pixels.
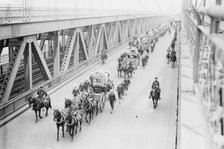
{"type": "Point", "coordinates": [76, 90]}
{"type": "Point", "coordinates": [42, 94]}
{"type": "Point", "coordinates": [103, 55]}
{"type": "Point", "coordinates": [155, 85]}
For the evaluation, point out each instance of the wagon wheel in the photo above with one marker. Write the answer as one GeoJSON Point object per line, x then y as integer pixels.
{"type": "Point", "coordinates": [112, 86]}
{"type": "Point", "coordinates": [102, 103]}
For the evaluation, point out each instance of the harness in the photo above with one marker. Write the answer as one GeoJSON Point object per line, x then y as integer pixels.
{"type": "Point", "coordinates": [61, 120]}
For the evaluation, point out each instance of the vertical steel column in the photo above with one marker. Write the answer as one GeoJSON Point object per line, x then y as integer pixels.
{"type": "Point", "coordinates": [10, 54]}
{"type": "Point", "coordinates": [197, 47]}
{"type": "Point", "coordinates": [90, 47]}
{"type": "Point", "coordinates": [76, 51]}
{"type": "Point", "coordinates": [28, 67]}
{"type": "Point", "coordinates": [56, 50]}
{"type": "Point", "coordinates": [63, 41]}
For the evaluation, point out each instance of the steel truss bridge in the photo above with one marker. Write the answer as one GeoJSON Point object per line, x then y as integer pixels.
{"type": "Point", "coordinates": [49, 46]}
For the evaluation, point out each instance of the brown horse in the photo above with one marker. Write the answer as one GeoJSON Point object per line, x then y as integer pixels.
{"type": "Point", "coordinates": [154, 94]}
{"type": "Point", "coordinates": [38, 104]}
{"type": "Point", "coordinates": [89, 110]}
{"type": "Point", "coordinates": [60, 122]}
{"type": "Point", "coordinates": [73, 119]}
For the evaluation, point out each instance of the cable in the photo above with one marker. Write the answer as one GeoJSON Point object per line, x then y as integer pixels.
{"type": "Point", "coordinates": [158, 5]}
{"type": "Point", "coordinates": [143, 6]}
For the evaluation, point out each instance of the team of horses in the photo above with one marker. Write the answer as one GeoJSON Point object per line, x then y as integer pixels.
{"type": "Point", "coordinates": [87, 102]}
{"type": "Point", "coordinates": [127, 64]}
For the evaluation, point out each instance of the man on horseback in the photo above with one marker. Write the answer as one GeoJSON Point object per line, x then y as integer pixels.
{"type": "Point", "coordinates": [103, 56]}
{"type": "Point", "coordinates": [155, 85]}
{"type": "Point", "coordinates": [42, 94]}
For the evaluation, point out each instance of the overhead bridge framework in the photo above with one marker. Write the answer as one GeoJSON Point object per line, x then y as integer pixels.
{"type": "Point", "coordinates": [78, 40]}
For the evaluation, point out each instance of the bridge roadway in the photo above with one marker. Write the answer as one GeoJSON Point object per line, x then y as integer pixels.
{"type": "Point", "coordinates": [134, 124]}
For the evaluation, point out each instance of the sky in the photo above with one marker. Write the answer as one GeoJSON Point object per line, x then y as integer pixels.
{"type": "Point", "coordinates": [164, 6]}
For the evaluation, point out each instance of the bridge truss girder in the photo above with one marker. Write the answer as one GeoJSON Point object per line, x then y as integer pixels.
{"type": "Point", "coordinates": [81, 44]}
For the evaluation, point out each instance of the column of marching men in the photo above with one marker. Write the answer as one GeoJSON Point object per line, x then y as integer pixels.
{"type": "Point", "coordinates": [91, 95]}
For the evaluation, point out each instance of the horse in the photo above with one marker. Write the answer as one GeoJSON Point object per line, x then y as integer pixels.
{"type": "Point", "coordinates": [154, 94]}
{"type": "Point", "coordinates": [38, 104]}
{"type": "Point", "coordinates": [168, 56]}
{"type": "Point", "coordinates": [89, 110]}
{"type": "Point", "coordinates": [73, 120]}
{"type": "Point", "coordinates": [119, 70]}
{"type": "Point", "coordinates": [173, 60]}
{"type": "Point", "coordinates": [103, 58]}
{"type": "Point", "coordinates": [60, 122]}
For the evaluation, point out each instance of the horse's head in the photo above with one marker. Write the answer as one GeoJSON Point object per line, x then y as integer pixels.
{"type": "Point", "coordinates": [69, 119]}
{"type": "Point", "coordinates": [56, 115]}
{"type": "Point", "coordinates": [67, 103]}
{"type": "Point", "coordinates": [30, 100]}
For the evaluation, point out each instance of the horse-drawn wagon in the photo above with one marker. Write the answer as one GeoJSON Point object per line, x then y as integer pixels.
{"type": "Point", "coordinates": [101, 84]}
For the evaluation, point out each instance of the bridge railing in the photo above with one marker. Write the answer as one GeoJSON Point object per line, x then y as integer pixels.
{"type": "Point", "coordinates": [204, 28]}
{"type": "Point", "coordinates": [20, 15]}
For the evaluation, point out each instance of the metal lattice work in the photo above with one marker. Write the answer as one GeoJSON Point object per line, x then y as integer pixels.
{"type": "Point", "coordinates": [42, 44]}
{"type": "Point", "coordinates": [68, 50]}
{"type": "Point", "coordinates": [97, 41]}
{"type": "Point", "coordinates": [40, 63]}
{"type": "Point", "coordinates": [11, 73]}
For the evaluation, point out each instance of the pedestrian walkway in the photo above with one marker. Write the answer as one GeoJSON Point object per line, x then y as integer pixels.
{"type": "Point", "coordinates": [193, 125]}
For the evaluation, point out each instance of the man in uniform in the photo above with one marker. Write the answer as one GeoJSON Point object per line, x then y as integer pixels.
{"type": "Point", "coordinates": [155, 85]}
{"type": "Point", "coordinates": [112, 99]}
{"type": "Point", "coordinates": [42, 94]}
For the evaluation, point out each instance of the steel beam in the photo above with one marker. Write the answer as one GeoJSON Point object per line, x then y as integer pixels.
{"type": "Point", "coordinates": [76, 51]}
{"type": "Point", "coordinates": [68, 50]}
{"type": "Point", "coordinates": [197, 47]}
{"type": "Point", "coordinates": [116, 34]}
{"type": "Point", "coordinates": [24, 29]}
{"type": "Point", "coordinates": [216, 11]}
{"type": "Point", "coordinates": [41, 61]}
{"type": "Point", "coordinates": [119, 32]}
{"type": "Point", "coordinates": [111, 32]}
{"type": "Point", "coordinates": [63, 41]}
{"type": "Point", "coordinates": [92, 39]}
{"type": "Point", "coordinates": [125, 33]}
{"type": "Point", "coordinates": [139, 27]}
{"type": "Point", "coordinates": [28, 67]}
{"type": "Point", "coordinates": [83, 45]}
{"type": "Point", "coordinates": [10, 53]}
{"type": "Point", "coordinates": [105, 39]}
{"type": "Point", "coordinates": [95, 49]}
{"type": "Point", "coordinates": [56, 54]}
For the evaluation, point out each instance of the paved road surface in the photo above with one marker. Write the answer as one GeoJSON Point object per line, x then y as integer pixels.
{"type": "Point", "coordinates": [133, 125]}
